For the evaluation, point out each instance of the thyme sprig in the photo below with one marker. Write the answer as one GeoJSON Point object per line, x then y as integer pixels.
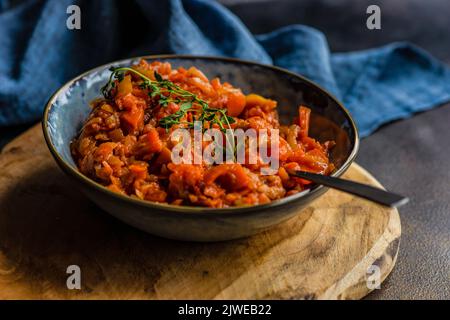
{"type": "Point", "coordinates": [165, 91]}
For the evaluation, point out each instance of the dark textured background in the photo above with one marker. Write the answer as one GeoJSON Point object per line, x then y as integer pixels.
{"type": "Point", "coordinates": [410, 156]}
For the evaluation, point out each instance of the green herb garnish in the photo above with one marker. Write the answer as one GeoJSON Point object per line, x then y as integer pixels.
{"type": "Point", "coordinates": [164, 92]}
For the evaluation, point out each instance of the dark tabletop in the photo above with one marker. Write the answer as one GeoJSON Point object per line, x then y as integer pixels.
{"type": "Point", "coordinates": [409, 156]}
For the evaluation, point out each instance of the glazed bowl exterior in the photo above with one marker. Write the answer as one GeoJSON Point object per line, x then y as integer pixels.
{"type": "Point", "coordinates": [68, 108]}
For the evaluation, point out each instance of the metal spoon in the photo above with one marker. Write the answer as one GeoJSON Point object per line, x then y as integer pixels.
{"type": "Point", "coordinates": [361, 190]}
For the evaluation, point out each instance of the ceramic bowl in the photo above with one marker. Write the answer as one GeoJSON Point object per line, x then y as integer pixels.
{"type": "Point", "coordinates": [68, 108]}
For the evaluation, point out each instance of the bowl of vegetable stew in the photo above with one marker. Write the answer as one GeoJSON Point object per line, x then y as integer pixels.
{"type": "Point", "coordinates": [117, 154]}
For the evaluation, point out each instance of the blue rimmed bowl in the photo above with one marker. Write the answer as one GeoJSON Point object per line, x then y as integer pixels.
{"type": "Point", "coordinates": [68, 108]}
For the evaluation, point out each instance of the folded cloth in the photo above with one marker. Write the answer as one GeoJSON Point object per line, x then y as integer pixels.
{"type": "Point", "coordinates": [38, 53]}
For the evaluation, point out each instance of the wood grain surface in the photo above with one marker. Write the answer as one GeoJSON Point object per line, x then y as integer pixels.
{"type": "Point", "coordinates": [46, 224]}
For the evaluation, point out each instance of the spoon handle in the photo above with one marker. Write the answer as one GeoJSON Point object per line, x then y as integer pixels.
{"type": "Point", "coordinates": [362, 190]}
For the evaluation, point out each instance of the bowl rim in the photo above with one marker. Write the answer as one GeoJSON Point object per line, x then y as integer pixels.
{"type": "Point", "coordinates": [192, 209]}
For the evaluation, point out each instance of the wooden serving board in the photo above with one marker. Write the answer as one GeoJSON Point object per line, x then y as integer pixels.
{"type": "Point", "coordinates": [46, 224]}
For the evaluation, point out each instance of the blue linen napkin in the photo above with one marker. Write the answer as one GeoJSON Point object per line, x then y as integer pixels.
{"type": "Point", "coordinates": [38, 54]}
